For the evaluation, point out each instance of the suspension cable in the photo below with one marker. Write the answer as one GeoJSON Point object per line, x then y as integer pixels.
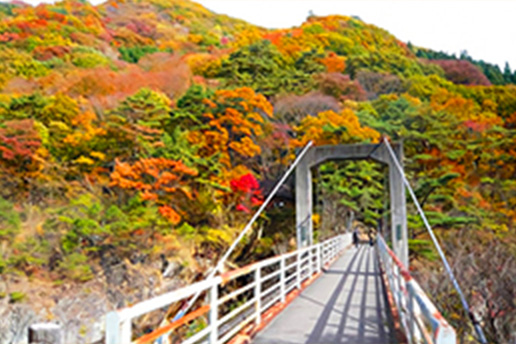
{"type": "Point", "coordinates": [481, 338]}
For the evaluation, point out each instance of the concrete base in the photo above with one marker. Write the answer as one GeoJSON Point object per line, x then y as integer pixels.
{"type": "Point", "coordinates": [45, 333]}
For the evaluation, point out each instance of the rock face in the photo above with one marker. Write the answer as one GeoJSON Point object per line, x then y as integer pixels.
{"type": "Point", "coordinates": [15, 321]}
{"type": "Point", "coordinates": [81, 317]}
{"type": "Point", "coordinates": [81, 309]}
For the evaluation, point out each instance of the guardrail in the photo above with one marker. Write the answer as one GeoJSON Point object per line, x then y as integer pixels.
{"type": "Point", "coordinates": [235, 298]}
{"type": "Point", "coordinates": [420, 319]}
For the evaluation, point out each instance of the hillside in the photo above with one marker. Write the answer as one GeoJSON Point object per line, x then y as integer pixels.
{"type": "Point", "coordinates": [138, 136]}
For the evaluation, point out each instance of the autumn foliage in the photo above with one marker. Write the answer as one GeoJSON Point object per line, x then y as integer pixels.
{"type": "Point", "coordinates": [248, 189]}
{"type": "Point", "coordinates": [158, 127]}
{"type": "Point", "coordinates": [156, 179]}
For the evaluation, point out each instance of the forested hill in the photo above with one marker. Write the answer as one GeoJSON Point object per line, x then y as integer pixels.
{"type": "Point", "coordinates": [139, 132]}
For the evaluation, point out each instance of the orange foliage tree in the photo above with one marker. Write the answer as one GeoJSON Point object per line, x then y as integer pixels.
{"type": "Point", "coordinates": [233, 121]}
{"type": "Point", "coordinates": [334, 63]}
{"type": "Point", "coordinates": [158, 180]}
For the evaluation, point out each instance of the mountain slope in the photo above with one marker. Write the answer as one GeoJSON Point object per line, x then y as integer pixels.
{"type": "Point", "coordinates": [140, 135]}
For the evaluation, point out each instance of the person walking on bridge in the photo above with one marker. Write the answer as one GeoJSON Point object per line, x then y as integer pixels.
{"type": "Point", "coordinates": [355, 237]}
{"type": "Point", "coordinates": [371, 238]}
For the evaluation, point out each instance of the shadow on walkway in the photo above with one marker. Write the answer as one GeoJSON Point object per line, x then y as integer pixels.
{"type": "Point", "coordinates": [345, 305]}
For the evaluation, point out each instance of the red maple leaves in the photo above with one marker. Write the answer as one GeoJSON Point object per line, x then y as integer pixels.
{"type": "Point", "coordinates": [248, 189]}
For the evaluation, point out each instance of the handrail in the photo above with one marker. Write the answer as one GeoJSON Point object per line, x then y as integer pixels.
{"type": "Point", "coordinates": [478, 329]}
{"type": "Point", "coordinates": [220, 264]}
{"type": "Point", "coordinates": [415, 309]}
{"type": "Point", "coordinates": [246, 308]}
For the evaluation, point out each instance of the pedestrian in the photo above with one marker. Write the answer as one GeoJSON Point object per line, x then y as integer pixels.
{"type": "Point", "coordinates": [355, 237]}
{"type": "Point", "coordinates": [370, 234]}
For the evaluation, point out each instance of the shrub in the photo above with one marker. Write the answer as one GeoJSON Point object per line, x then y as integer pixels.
{"type": "Point", "coordinates": [340, 86]}
{"type": "Point", "coordinates": [76, 267]}
{"type": "Point", "coordinates": [134, 54]}
{"type": "Point", "coordinates": [89, 60]}
{"type": "Point", "coordinates": [16, 296]}
{"type": "Point", "coordinates": [376, 84]}
{"type": "Point", "coordinates": [462, 72]}
{"type": "Point", "coordinates": [9, 221]}
{"type": "Point", "coordinates": [292, 109]}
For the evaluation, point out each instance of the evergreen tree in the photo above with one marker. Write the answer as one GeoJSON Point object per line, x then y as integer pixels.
{"type": "Point", "coordinates": [507, 74]}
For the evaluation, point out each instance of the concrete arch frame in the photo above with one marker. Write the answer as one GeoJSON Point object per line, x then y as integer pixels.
{"type": "Point", "coordinates": [377, 152]}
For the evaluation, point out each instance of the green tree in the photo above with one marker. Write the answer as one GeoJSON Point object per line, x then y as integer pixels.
{"type": "Point", "coordinates": [134, 54]}
{"type": "Point", "coordinates": [263, 68]}
{"type": "Point", "coordinates": [507, 74]}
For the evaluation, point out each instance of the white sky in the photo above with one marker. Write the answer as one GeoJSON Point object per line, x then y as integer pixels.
{"type": "Point", "coordinates": [485, 28]}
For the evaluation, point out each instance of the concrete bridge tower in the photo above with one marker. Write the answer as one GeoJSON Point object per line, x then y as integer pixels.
{"type": "Point", "coordinates": [377, 152]}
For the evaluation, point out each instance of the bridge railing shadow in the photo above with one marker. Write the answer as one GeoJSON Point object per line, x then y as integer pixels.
{"type": "Point", "coordinates": [357, 324]}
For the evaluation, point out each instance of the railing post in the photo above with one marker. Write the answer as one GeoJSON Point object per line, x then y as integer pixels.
{"type": "Point", "coordinates": [310, 262]}
{"type": "Point", "coordinates": [214, 310]}
{"type": "Point", "coordinates": [118, 331]}
{"type": "Point", "coordinates": [126, 328]}
{"type": "Point", "coordinates": [322, 254]}
{"type": "Point", "coordinates": [258, 294]}
{"type": "Point", "coordinates": [411, 315]}
{"type": "Point", "coordinates": [319, 258]}
{"type": "Point", "coordinates": [416, 313]}
{"type": "Point", "coordinates": [283, 276]}
{"type": "Point", "coordinates": [113, 328]}
{"type": "Point", "coordinates": [401, 298]}
{"type": "Point", "coordinates": [398, 287]}
{"type": "Point", "coordinates": [299, 269]}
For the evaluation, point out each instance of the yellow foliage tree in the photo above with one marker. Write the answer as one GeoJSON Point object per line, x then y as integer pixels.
{"type": "Point", "coordinates": [330, 127]}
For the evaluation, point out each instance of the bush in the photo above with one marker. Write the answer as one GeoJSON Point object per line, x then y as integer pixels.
{"type": "Point", "coordinates": [134, 54]}
{"type": "Point", "coordinates": [292, 109]}
{"type": "Point", "coordinates": [376, 84]}
{"type": "Point", "coordinates": [340, 86]}
{"type": "Point", "coordinates": [462, 72]}
{"type": "Point", "coordinates": [16, 296]}
{"type": "Point", "coordinates": [75, 266]}
{"type": "Point", "coordinates": [9, 222]}
{"type": "Point", "coordinates": [89, 60]}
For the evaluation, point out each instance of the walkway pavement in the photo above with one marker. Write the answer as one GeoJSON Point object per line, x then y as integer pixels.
{"type": "Point", "coordinates": [346, 304]}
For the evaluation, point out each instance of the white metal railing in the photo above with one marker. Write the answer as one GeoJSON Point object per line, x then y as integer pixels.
{"type": "Point", "coordinates": [235, 298]}
{"type": "Point", "coordinates": [420, 319]}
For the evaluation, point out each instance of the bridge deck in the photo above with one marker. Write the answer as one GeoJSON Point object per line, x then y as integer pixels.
{"type": "Point", "coordinates": [344, 305]}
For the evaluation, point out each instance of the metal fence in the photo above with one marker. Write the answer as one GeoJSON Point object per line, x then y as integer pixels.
{"type": "Point", "coordinates": [235, 298]}
{"type": "Point", "coordinates": [420, 319]}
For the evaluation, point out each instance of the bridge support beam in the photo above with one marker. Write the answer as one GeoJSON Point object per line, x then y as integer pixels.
{"type": "Point", "coordinates": [304, 225]}
{"type": "Point", "coordinates": [399, 232]}
{"type": "Point", "coordinates": [377, 152]}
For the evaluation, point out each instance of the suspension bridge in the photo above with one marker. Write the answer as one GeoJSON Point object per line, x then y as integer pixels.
{"type": "Point", "coordinates": [324, 292]}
